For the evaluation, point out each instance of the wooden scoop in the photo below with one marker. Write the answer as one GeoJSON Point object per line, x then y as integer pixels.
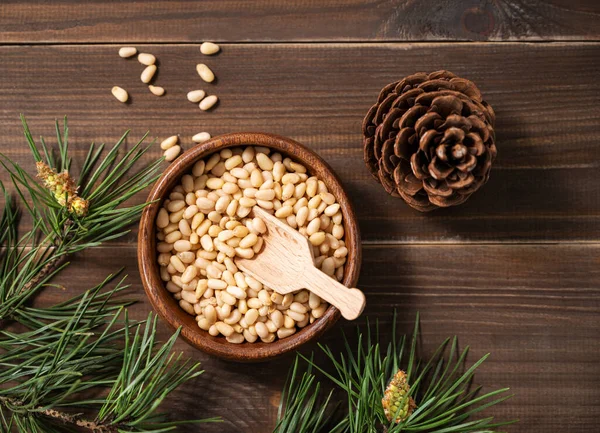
{"type": "Point", "coordinates": [285, 264]}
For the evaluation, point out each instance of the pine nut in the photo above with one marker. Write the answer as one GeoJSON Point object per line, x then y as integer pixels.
{"type": "Point", "coordinates": [239, 173]}
{"type": "Point", "coordinates": [277, 298]}
{"type": "Point", "coordinates": [177, 263]}
{"type": "Point", "coordinates": [265, 194]}
{"type": "Point", "coordinates": [224, 328]}
{"type": "Point", "coordinates": [298, 308]}
{"type": "Point", "coordinates": [208, 102]}
{"type": "Point", "coordinates": [156, 90]}
{"type": "Point", "coordinates": [288, 191]}
{"type": "Point", "coordinates": [268, 339]}
{"type": "Point", "coordinates": [245, 253]}
{"type": "Point", "coordinates": [332, 209]}
{"type": "Point", "coordinates": [284, 212]}
{"type": "Point", "coordinates": [340, 252]}
{"type": "Point", "coordinates": [328, 266]}
{"type": "Point", "coordinates": [148, 73]}
{"type": "Point", "coordinates": [172, 153]}
{"type": "Point", "coordinates": [254, 303]}
{"type": "Point", "coordinates": [187, 307]}
{"type": "Point", "coordinates": [120, 94]}
{"type": "Point", "coordinates": [182, 245]}
{"type": "Point", "coordinates": [236, 292]}
{"type": "Point", "coordinates": [235, 338]}
{"type": "Point", "coordinates": [205, 73]}
{"type": "Point", "coordinates": [251, 316]}
{"type": "Point", "coordinates": [298, 317]}
{"type": "Point", "coordinates": [264, 162]}
{"type": "Point", "coordinates": [271, 326]}
{"type": "Point", "coordinates": [290, 178]}
{"type": "Point", "coordinates": [313, 226]}
{"type": "Point", "coordinates": [233, 161]}
{"type": "Point", "coordinates": [317, 238]}
{"type": "Point", "coordinates": [201, 137]}
{"type": "Point", "coordinates": [319, 311]}
{"type": "Point", "coordinates": [313, 301]}
{"type": "Point", "coordinates": [328, 198]}
{"type": "Point", "coordinates": [196, 96]}
{"type": "Point", "coordinates": [288, 322]}
{"type": "Point", "coordinates": [250, 338]}
{"type": "Point", "coordinates": [146, 59]}
{"type": "Point", "coordinates": [285, 332]}
{"type": "Point", "coordinates": [233, 318]}
{"type": "Point", "coordinates": [162, 220]}
{"type": "Point", "coordinates": [338, 231]}
{"type": "Point", "coordinates": [209, 48]}
{"type": "Point", "coordinates": [127, 52]}
{"type": "Point", "coordinates": [287, 300]}
{"type": "Point", "coordinates": [189, 297]}
{"type": "Point", "coordinates": [249, 241]}
{"type": "Point", "coordinates": [261, 330]}
{"type": "Point", "coordinates": [314, 202]}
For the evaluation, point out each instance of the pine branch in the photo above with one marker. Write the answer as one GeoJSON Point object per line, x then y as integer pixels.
{"type": "Point", "coordinates": [86, 345]}
{"type": "Point", "coordinates": [432, 396]}
{"type": "Point", "coordinates": [62, 417]}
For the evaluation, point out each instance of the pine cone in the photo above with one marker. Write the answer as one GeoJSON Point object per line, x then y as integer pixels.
{"type": "Point", "coordinates": [394, 397]}
{"type": "Point", "coordinates": [430, 139]}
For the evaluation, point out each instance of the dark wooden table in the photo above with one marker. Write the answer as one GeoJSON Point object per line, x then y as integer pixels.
{"type": "Point", "coordinates": [515, 271]}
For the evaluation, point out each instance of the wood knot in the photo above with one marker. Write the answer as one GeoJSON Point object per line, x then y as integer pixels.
{"type": "Point", "coordinates": [479, 21]}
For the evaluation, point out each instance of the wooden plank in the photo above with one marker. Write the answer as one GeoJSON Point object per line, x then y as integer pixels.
{"type": "Point", "coordinates": [536, 308]}
{"type": "Point", "coordinates": [543, 186]}
{"type": "Point", "coordinates": [266, 21]}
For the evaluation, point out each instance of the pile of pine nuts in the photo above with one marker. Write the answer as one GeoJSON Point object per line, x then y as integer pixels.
{"type": "Point", "coordinates": [204, 224]}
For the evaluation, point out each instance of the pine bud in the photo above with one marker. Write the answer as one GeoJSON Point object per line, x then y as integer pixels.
{"type": "Point", "coordinates": [63, 188]}
{"type": "Point", "coordinates": [394, 402]}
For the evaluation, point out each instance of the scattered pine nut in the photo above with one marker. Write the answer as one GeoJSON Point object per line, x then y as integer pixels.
{"type": "Point", "coordinates": [156, 90]}
{"type": "Point", "coordinates": [127, 52]}
{"type": "Point", "coordinates": [196, 95]}
{"type": "Point", "coordinates": [172, 153]}
{"type": "Point", "coordinates": [201, 137]}
{"type": "Point", "coordinates": [205, 73]}
{"type": "Point", "coordinates": [209, 48]}
{"type": "Point", "coordinates": [120, 94]}
{"type": "Point", "coordinates": [208, 102]}
{"type": "Point", "coordinates": [167, 143]}
{"type": "Point", "coordinates": [146, 59]}
{"type": "Point", "coordinates": [148, 73]}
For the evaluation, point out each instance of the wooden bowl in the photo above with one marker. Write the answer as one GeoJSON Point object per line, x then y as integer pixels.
{"type": "Point", "coordinates": [163, 301]}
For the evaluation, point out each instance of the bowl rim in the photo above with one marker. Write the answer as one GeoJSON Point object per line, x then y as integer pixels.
{"type": "Point", "coordinates": [167, 307]}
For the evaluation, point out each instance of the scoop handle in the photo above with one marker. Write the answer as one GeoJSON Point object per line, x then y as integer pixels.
{"type": "Point", "coordinates": [350, 302]}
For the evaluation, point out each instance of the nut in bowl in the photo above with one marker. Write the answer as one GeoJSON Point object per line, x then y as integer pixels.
{"type": "Point", "coordinates": [201, 221]}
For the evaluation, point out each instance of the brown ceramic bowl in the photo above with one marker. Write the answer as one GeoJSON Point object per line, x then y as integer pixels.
{"type": "Point", "coordinates": [167, 306]}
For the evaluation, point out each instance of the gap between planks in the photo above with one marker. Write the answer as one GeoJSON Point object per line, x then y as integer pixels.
{"type": "Point", "coordinates": [554, 42]}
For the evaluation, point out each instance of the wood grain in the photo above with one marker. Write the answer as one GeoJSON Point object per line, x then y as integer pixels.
{"type": "Point", "coordinates": [536, 308]}
{"type": "Point", "coordinates": [543, 186]}
{"type": "Point", "coordinates": [37, 21]}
